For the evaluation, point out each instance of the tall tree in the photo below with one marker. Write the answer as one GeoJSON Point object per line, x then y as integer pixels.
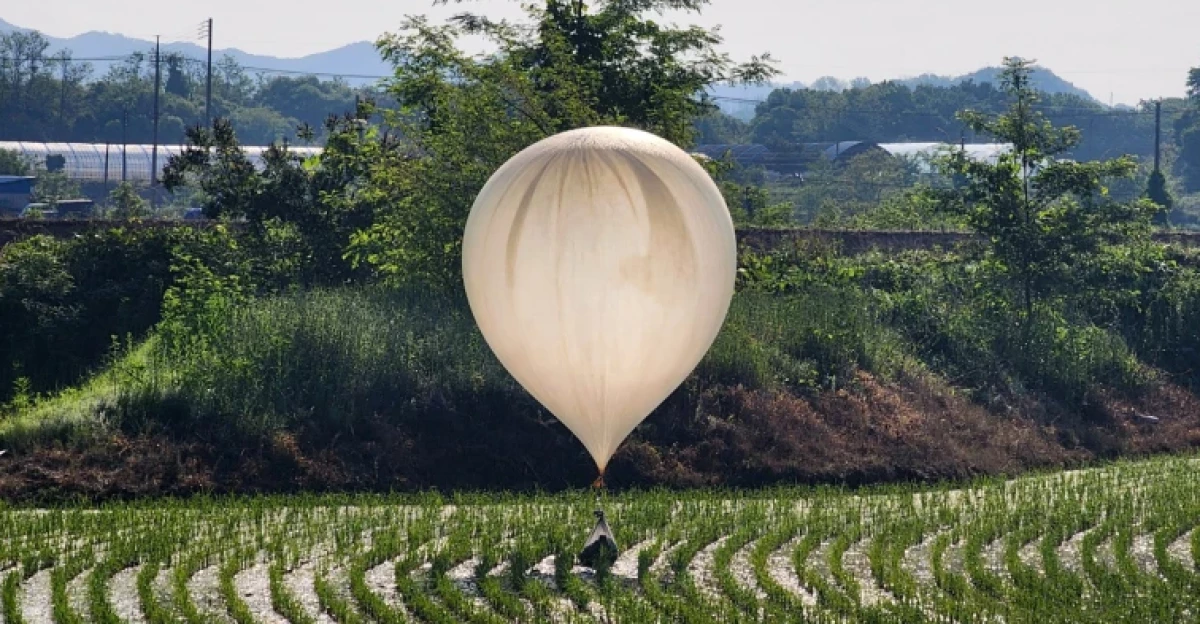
{"type": "Point", "coordinates": [569, 65]}
{"type": "Point", "coordinates": [1157, 192]}
{"type": "Point", "coordinates": [178, 81]}
{"type": "Point", "coordinates": [125, 203]}
{"type": "Point", "coordinates": [1044, 217]}
{"type": "Point", "coordinates": [1188, 133]}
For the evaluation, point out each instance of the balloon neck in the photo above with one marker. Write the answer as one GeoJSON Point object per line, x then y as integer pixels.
{"type": "Point", "coordinates": [598, 490]}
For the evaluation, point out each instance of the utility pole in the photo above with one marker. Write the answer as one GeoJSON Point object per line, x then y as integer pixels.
{"type": "Point", "coordinates": [208, 87]}
{"type": "Point", "coordinates": [62, 98]}
{"type": "Point", "coordinates": [124, 142]}
{"type": "Point", "coordinates": [154, 148]}
{"type": "Point", "coordinates": [1157, 132]}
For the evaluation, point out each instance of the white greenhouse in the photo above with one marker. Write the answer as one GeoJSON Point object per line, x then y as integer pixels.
{"type": "Point", "coordinates": [87, 162]}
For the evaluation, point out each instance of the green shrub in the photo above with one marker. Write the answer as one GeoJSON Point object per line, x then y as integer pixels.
{"type": "Point", "coordinates": [63, 301]}
{"type": "Point", "coordinates": [325, 359]}
{"type": "Point", "coordinates": [815, 337]}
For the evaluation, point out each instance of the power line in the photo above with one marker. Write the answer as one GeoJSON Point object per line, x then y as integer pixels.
{"type": "Point", "coordinates": [1061, 111]}
{"type": "Point", "coordinates": [839, 109]}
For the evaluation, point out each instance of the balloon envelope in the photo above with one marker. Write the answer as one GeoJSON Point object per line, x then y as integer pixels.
{"type": "Point", "coordinates": [599, 265]}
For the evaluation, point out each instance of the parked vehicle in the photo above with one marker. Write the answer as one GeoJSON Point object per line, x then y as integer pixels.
{"type": "Point", "coordinates": [63, 208]}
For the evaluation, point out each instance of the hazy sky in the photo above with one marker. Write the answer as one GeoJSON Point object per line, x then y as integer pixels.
{"type": "Point", "coordinates": [1129, 49]}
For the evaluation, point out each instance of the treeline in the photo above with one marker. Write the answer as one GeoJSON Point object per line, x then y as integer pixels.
{"type": "Point", "coordinates": [54, 98]}
{"type": "Point", "coordinates": [890, 112]}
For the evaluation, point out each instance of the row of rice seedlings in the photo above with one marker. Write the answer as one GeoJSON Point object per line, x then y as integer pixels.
{"type": "Point", "coordinates": [670, 593]}
{"type": "Point", "coordinates": [781, 602]}
{"type": "Point", "coordinates": [10, 605]}
{"type": "Point", "coordinates": [637, 528]}
{"type": "Point", "coordinates": [986, 528]}
{"type": "Point", "coordinates": [422, 538]}
{"type": "Point", "coordinates": [710, 523]}
{"type": "Point", "coordinates": [122, 554]}
{"type": "Point", "coordinates": [892, 539]}
{"type": "Point", "coordinates": [1154, 498]}
{"type": "Point", "coordinates": [457, 551]}
{"type": "Point", "coordinates": [283, 601]}
{"type": "Point", "coordinates": [742, 598]}
{"type": "Point", "coordinates": [331, 603]}
{"type": "Point", "coordinates": [72, 566]}
{"type": "Point", "coordinates": [239, 560]}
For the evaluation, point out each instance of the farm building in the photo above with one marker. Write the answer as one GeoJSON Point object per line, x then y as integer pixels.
{"type": "Point", "coordinates": [100, 162]}
{"type": "Point", "coordinates": [841, 151]}
{"type": "Point", "coordinates": [14, 193]}
{"type": "Point", "coordinates": [922, 152]}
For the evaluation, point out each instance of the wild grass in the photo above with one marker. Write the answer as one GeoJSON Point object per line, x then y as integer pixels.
{"type": "Point", "coordinates": [329, 362]}
{"type": "Point", "coordinates": [330, 359]}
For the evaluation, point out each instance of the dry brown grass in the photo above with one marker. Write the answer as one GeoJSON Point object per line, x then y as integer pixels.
{"type": "Point", "coordinates": [915, 429]}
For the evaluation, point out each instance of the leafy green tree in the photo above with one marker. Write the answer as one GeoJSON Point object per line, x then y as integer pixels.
{"type": "Point", "coordinates": [52, 186]}
{"type": "Point", "coordinates": [13, 163]}
{"type": "Point", "coordinates": [1157, 192]}
{"type": "Point", "coordinates": [1189, 157]}
{"type": "Point", "coordinates": [310, 207]}
{"type": "Point", "coordinates": [178, 82]}
{"type": "Point", "coordinates": [893, 112]}
{"type": "Point", "coordinates": [304, 100]}
{"type": "Point", "coordinates": [125, 203]}
{"type": "Point", "coordinates": [752, 205]}
{"type": "Point", "coordinates": [1046, 218]}
{"type": "Point", "coordinates": [1187, 133]}
{"type": "Point", "coordinates": [721, 129]}
{"type": "Point", "coordinates": [568, 66]}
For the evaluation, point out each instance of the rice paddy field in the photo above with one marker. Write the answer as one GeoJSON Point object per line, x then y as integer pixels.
{"type": "Point", "coordinates": [1110, 544]}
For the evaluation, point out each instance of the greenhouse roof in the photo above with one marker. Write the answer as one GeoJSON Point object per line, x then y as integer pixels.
{"type": "Point", "coordinates": [90, 162]}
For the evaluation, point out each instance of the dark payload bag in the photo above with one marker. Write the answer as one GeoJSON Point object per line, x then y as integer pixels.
{"type": "Point", "coordinates": [601, 546]}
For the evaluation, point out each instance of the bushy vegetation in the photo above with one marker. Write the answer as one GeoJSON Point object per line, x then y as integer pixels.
{"type": "Point", "coordinates": [808, 331]}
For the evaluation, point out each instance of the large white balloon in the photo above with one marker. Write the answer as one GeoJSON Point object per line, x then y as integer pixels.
{"type": "Point", "coordinates": [599, 264]}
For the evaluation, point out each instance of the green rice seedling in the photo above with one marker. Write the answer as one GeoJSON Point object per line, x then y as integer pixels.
{"type": "Point", "coordinates": [332, 604]}
{"type": "Point", "coordinates": [180, 593]}
{"type": "Point", "coordinates": [282, 600]}
{"type": "Point", "coordinates": [154, 612]}
{"type": "Point", "coordinates": [564, 579]}
{"type": "Point", "coordinates": [742, 598]}
{"type": "Point", "coordinates": [416, 596]}
{"type": "Point", "coordinates": [238, 609]}
{"type": "Point", "coordinates": [9, 604]}
{"type": "Point", "coordinates": [73, 566]}
{"type": "Point", "coordinates": [98, 584]}
{"type": "Point", "coordinates": [718, 550]}
{"type": "Point", "coordinates": [1196, 549]}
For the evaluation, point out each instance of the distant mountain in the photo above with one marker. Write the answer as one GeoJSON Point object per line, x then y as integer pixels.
{"type": "Point", "coordinates": [356, 59]}
{"type": "Point", "coordinates": [362, 59]}
{"type": "Point", "coordinates": [739, 101]}
{"type": "Point", "coordinates": [1043, 80]}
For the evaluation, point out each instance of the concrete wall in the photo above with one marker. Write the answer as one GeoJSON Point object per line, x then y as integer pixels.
{"type": "Point", "coordinates": [13, 202]}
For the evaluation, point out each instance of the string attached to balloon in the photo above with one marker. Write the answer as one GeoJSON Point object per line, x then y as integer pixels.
{"type": "Point", "coordinates": [599, 265]}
